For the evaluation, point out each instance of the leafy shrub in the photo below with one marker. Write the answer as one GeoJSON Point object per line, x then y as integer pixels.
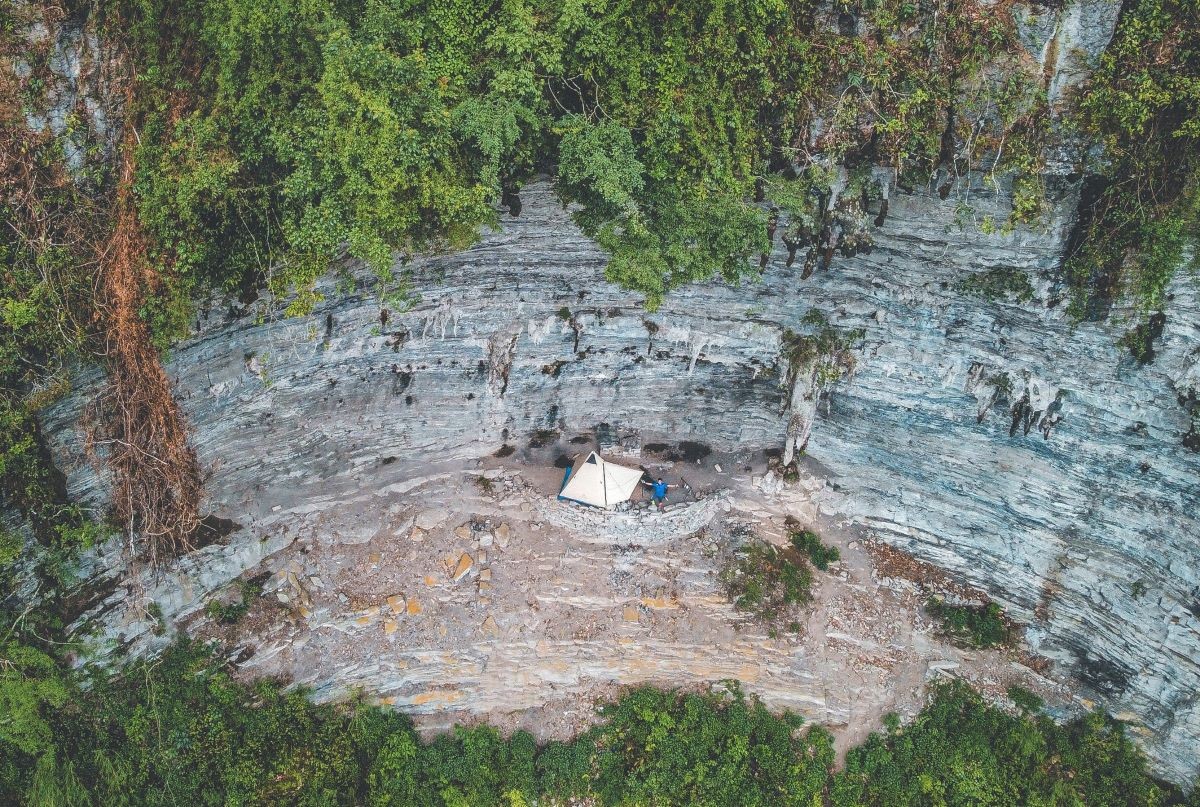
{"type": "Point", "coordinates": [762, 580]}
{"type": "Point", "coordinates": [997, 284]}
{"type": "Point", "coordinates": [1026, 701]}
{"type": "Point", "coordinates": [232, 613]}
{"type": "Point", "coordinates": [976, 626]}
{"type": "Point", "coordinates": [826, 354]}
{"type": "Point", "coordinates": [809, 543]}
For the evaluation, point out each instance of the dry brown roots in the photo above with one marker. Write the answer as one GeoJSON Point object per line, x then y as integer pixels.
{"type": "Point", "coordinates": [156, 477]}
{"type": "Point", "coordinates": [135, 424]}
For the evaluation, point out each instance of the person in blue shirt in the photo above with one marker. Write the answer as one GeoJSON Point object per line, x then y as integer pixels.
{"type": "Point", "coordinates": [659, 495]}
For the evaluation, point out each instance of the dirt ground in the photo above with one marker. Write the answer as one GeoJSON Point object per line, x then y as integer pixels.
{"type": "Point", "coordinates": [475, 595]}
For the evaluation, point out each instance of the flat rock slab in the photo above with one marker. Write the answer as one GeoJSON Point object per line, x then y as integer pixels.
{"type": "Point", "coordinates": [430, 519]}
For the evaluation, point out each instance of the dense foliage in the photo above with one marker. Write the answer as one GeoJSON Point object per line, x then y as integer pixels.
{"type": "Point", "coordinates": [810, 544]}
{"type": "Point", "coordinates": [1143, 105]}
{"type": "Point", "coordinates": [180, 731]}
{"type": "Point", "coordinates": [960, 752]}
{"type": "Point", "coordinates": [274, 135]}
{"type": "Point", "coordinates": [972, 625]}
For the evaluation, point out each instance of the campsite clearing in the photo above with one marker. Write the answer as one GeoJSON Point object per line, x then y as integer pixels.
{"type": "Point", "coordinates": [508, 605]}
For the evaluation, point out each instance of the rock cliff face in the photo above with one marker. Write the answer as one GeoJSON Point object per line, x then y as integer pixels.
{"type": "Point", "coordinates": [1027, 456]}
{"type": "Point", "coordinates": [1071, 497]}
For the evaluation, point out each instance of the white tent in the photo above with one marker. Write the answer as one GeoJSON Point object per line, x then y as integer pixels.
{"type": "Point", "coordinates": [599, 483]}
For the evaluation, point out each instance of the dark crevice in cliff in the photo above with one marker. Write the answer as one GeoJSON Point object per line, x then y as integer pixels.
{"type": "Point", "coordinates": [946, 155]}
{"type": "Point", "coordinates": [84, 597]}
{"type": "Point", "coordinates": [1101, 286]}
{"type": "Point", "coordinates": [1105, 676]}
{"type": "Point", "coordinates": [44, 510]}
{"type": "Point", "coordinates": [213, 529]}
{"type": "Point", "coordinates": [510, 200]}
{"type": "Point", "coordinates": [1140, 341]}
{"type": "Point", "coordinates": [1191, 405]}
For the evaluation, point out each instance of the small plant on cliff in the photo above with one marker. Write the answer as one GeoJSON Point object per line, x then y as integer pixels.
{"type": "Point", "coordinates": [155, 612]}
{"type": "Point", "coordinates": [1000, 283]}
{"type": "Point", "coordinates": [231, 613]}
{"type": "Point", "coordinates": [978, 626]}
{"type": "Point", "coordinates": [1026, 701]}
{"type": "Point", "coordinates": [1139, 341]}
{"type": "Point", "coordinates": [764, 581]}
{"type": "Point", "coordinates": [809, 543]}
{"type": "Point", "coordinates": [827, 352]}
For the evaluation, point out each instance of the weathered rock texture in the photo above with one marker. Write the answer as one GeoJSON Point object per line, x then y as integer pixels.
{"type": "Point", "coordinates": [1088, 534]}
{"type": "Point", "coordinates": [994, 439]}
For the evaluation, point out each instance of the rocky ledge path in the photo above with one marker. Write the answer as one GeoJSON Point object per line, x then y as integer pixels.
{"type": "Point", "coordinates": [479, 596]}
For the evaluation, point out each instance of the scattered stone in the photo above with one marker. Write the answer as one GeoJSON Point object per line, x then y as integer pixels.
{"type": "Point", "coordinates": [283, 597]}
{"type": "Point", "coordinates": [397, 603]}
{"type": "Point", "coordinates": [463, 568]}
{"type": "Point", "coordinates": [463, 532]}
{"type": "Point", "coordinates": [717, 467]}
{"type": "Point", "coordinates": [485, 575]}
{"type": "Point", "coordinates": [389, 627]}
{"type": "Point", "coordinates": [483, 557]}
{"type": "Point", "coordinates": [375, 557]}
{"type": "Point", "coordinates": [417, 535]}
{"type": "Point", "coordinates": [502, 535]}
{"type": "Point", "coordinates": [414, 607]}
{"type": "Point", "coordinates": [363, 620]}
{"type": "Point", "coordinates": [660, 602]}
{"type": "Point", "coordinates": [486, 539]}
{"type": "Point", "coordinates": [429, 519]}
{"type": "Point", "coordinates": [490, 627]}
{"type": "Point", "coordinates": [351, 536]}
{"type": "Point", "coordinates": [484, 587]}
{"type": "Point", "coordinates": [852, 545]}
{"type": "Point", "coordinates": [630, 614]}
{"type": "Point", "coordinates": [430, 580]}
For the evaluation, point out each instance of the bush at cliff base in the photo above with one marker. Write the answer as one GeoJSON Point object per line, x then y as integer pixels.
{"type": "Point", "coordinates": [179, 730]}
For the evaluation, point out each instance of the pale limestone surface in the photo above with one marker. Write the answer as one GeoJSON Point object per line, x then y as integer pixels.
{"type": "Point", "coordinates": [1058, 529]}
